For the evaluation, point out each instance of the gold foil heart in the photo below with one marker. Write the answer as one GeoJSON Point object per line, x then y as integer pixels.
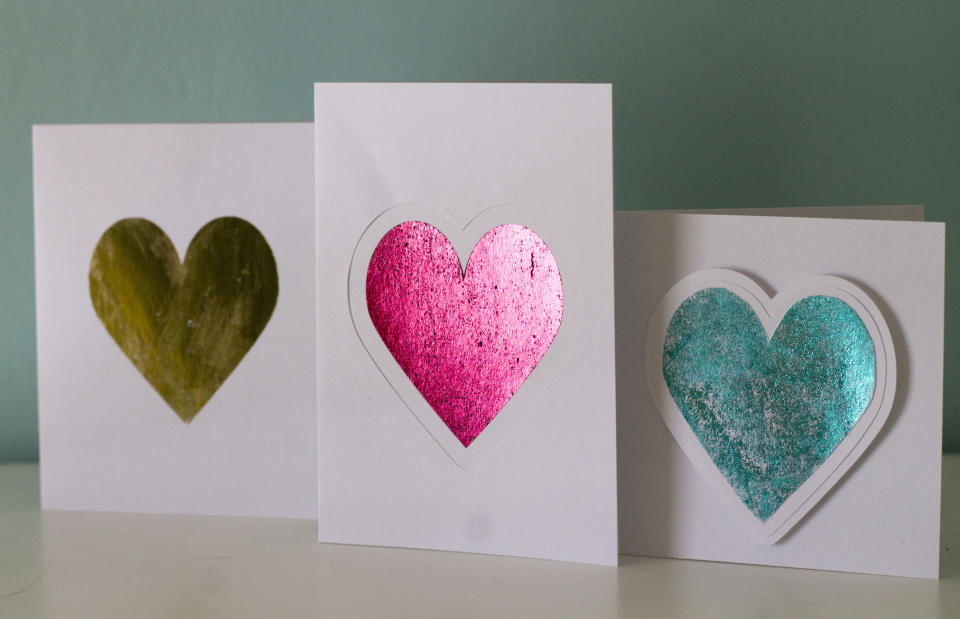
{"type": "Point", "coordinates": [187, 325]}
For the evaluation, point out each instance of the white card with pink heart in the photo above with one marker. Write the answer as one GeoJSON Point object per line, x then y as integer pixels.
{"type": "Point", "coordinates": [465, 304]}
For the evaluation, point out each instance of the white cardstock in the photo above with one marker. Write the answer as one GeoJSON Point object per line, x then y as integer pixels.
{"type": "Point", "coordinates": [108, 440]}
{"type": "Point", "coordinates": [873, 505]}
{"type": "Point", "coordinates": [540, 480]}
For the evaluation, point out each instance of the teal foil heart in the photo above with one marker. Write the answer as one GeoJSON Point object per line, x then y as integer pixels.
{"type": "Point", "coordinates": [768, 413]}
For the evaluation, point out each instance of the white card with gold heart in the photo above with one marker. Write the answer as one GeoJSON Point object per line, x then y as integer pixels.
{"type": "Point", "coordinates": [175, 318]}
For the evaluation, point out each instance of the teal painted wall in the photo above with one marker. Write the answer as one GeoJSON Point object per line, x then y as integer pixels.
{"type": "Point", "coordinates": [717, 104]}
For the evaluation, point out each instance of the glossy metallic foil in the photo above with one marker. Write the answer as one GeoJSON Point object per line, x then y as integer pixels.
{"type": "Point", "coordinates": [467, 339]}
{"type": "Point", "coordinates": [768, 412]}
{"type": "Point", "coordinates": [187, 325]}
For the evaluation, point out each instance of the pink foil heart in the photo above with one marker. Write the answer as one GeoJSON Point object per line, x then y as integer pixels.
{"type": "Point", "coordinates": [467, 339]}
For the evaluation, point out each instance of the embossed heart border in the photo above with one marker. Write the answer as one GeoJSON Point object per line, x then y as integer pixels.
{"type": "Point", "coordinates": [770, 312]}
{"type": "Point", "coordinates": [463, 233]}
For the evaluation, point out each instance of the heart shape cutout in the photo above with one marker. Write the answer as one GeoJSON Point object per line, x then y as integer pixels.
{"type": "Point", "coordinates": [467, 338]}
{"type": "Point", "coordinates": [773, 398]}
{"type": "Point", "coordinates": [184, 326]}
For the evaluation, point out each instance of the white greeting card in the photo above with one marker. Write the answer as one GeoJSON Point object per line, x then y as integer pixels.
{"type": "Point", "coordinates": [465, 307]}
{"type": "Point", "coordinates": [779, 388]}
{"type": "Point", "coordinates": [176, 318]}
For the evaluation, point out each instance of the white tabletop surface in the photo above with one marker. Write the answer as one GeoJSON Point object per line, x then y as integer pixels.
{"type": "Point", "coordinates": [72, 564]}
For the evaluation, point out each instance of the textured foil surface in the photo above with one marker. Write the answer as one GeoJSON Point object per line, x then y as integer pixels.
{"type": "Point", "coordinates": [185, 326]}
{"type": "Point", "coordinates": [468, 338]}
{"type": "Point", "coordinates": [768, 412]}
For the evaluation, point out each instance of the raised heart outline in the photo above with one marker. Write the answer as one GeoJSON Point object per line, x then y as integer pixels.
{"type": "Point", "coordinates": [463, 233]}
{"type": "Point", "coordinates": [770, 312]}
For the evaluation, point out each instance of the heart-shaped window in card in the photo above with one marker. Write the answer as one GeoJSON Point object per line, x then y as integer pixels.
{"type": "Point", "coordinates": [184, 325]}
{"type": "Point", "coordinates": [769, 412]}
{"type": "Point", "coordinates": [772, 399]}
{"type": "Point", "coordinates": [466, 337]}
{"type": "Point", "coordinates": [459, 321]}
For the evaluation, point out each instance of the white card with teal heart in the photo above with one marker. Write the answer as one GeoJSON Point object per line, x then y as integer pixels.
{"type": "Point", "coordinates": [779, 387]}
